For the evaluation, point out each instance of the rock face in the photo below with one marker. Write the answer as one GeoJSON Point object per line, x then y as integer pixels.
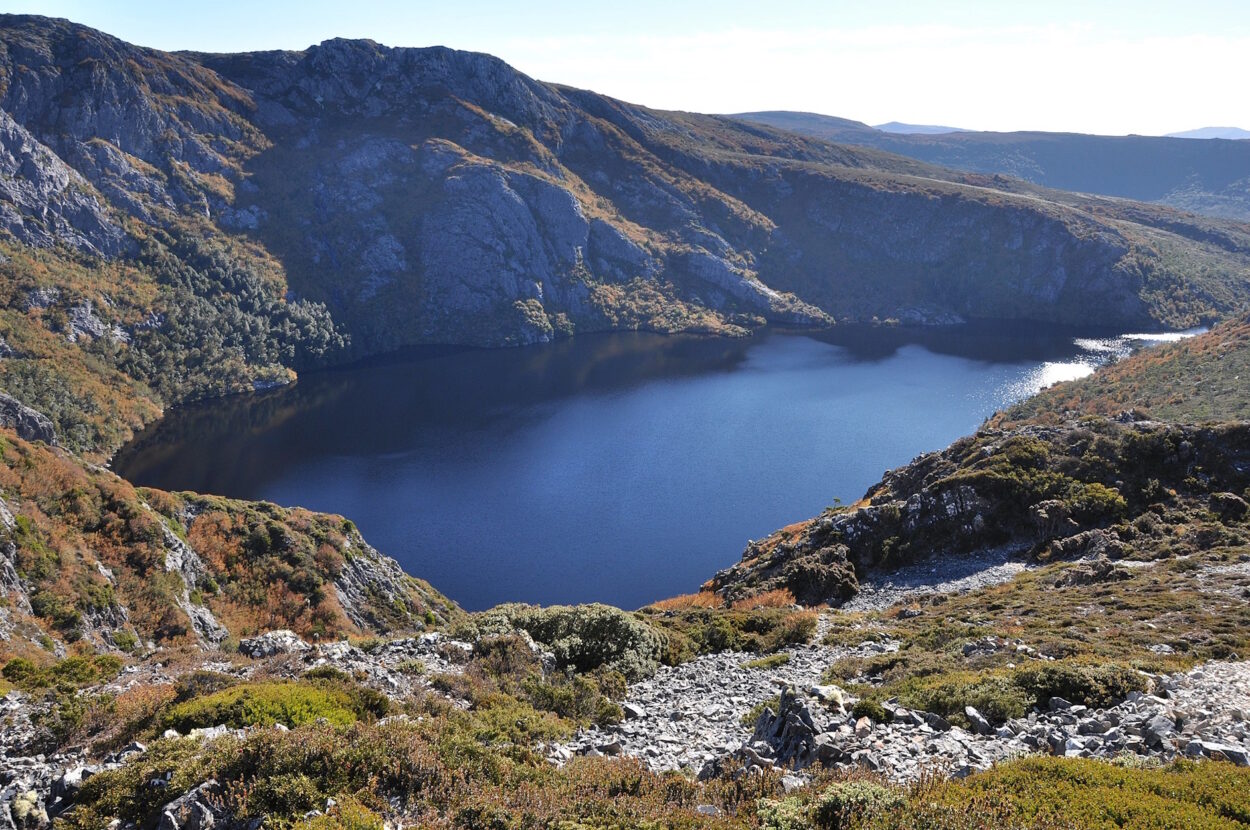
{"type": "Point", "coordinates": [429, 195]}
{"type": "Point", "coordinates": [26, 422]}
{"type": "Point", "coordinates": [1049, 491]}
{"type": "Point", "coordinates": [44, 201]}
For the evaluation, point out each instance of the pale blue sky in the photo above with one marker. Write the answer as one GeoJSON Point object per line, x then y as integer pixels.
{"type": "Point", "coordinates": [1109, 67]}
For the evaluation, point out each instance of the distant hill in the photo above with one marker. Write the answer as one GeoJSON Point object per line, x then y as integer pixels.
{"type": "Point", "coordinates": [1210, 177]}
{"type": "Point", "coordinates": [1231, 133]}
{"type": "Point", "coordinates": [915, 129]}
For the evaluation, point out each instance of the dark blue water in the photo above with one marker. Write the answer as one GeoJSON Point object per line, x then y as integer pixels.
{"type": "Point", "coordinates": [620, 468]}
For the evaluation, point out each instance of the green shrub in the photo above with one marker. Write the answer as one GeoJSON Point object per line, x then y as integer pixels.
{"type": "Point", "coordinates": [1088, 685]}
{"type": "Point", "coordinates": [871, 709]}
{"type": "Point", "coordinates": [19, 671]}
{"type": "Point", "coordinates": [327, 672]}
{"type": "Point", "coordinates": [582, 637]}
{"type": "Point", "coordinates": [996, 696]}
{"type": "Point", "coordinates": [200, 683]}
{"type": "Point", "coordinates": [783, 814]}
{"type": "Point", "coordinates": [772, 661]}
{"type": "Point", "coordinates": [348, 814]}
{"type": "Point", "coordinates": [1094, 502]}
{"type": "Point", "coordinates": [262, 704]}
{"type": "Point", "coordinates": [578, 699]}
{"type": "Point", "coordinates": [847, 804]}
{"type": "Point", "coordinates": [1094, 795]}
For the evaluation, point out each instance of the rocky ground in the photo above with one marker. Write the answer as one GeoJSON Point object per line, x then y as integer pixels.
{"type": "Point", "coordinates": [942, 575]}
{"type": "Point", "coordinates": [35, 787]}
{"type": "Point", "coordinates": [689, 717]}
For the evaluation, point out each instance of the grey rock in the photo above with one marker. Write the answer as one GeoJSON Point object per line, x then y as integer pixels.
{"type": "Point", "coordinates": [281, 641]}
{"type": "Point", "coordinates": [1058, 704]}
{"type": "Point", "coordinates": [29, 424]}
{"type": "Point", "coordinates": [980, 725]}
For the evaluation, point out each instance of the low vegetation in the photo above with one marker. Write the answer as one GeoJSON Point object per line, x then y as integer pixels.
{"type": "Point", "coordinates": [1193, 380]}
{"type": "Point", "coordinates": [445, 770]}
{"type": "Point", "coordinates": [92, 552]}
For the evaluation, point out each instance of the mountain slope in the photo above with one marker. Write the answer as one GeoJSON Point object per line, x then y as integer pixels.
{"type": "Point", "coordinates": [1210, 177]}
{"type": "Point", "coordinates": [178, 226]}
{"type": "Point", "coordinates": [87, 558]}
{"type": "Point", "coordinates": [1194, 380]}
{"type": "Point", "coordinates": [1231, 133]}
{"type": "Point", "coordinates": [427, 195]}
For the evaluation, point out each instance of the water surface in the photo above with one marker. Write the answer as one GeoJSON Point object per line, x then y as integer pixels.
{"type": "Point", "coordinates": [620, 468]}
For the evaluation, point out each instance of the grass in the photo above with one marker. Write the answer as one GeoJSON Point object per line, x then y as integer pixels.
{"type": "Point", "coordinates": [772, 661]}
{"type": "Point", "coordinates": [1194, 380]}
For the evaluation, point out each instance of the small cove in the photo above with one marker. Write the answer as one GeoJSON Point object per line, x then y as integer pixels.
{"type": "Point", "coordinates": [620, 468]}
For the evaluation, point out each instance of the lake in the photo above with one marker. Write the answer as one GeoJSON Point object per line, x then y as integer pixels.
{"type": "Point", "coordinates": [620, 468]}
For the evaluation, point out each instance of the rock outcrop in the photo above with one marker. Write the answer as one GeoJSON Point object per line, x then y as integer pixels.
{"type": "Point", "coordinates": [1050, 492]}
{"type": "Point", "coordinates": [29, 424]}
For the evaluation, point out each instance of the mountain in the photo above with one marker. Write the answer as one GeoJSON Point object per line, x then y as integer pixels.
{"type": "Point", "coordinates": [179, 226]}
{"type": "Point", "coordinates": [914, 129]}
{"type": "Point", "coordinates": [1231, 133]}
{"type": "Point", "coordinates": [1212, 178]}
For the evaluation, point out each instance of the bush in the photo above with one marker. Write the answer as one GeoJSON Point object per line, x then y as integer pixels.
{"type": "Point", "coordinates": [846, 804]}
{"type": "Point", "coordinates": [772, 661]}
{"type": "Point", "coordinates": [995, 696]}
{"type": "Point", "coordinates": [870, 709]}
{"type": "Point", "coordinates": [19, 671]}
{"type": "Point", "coordinates": [262, 704]}
{"type": "Point", "coordinates": [583, 637]}
{"type": "Point", "coordinates": [71, 673]}
{"type": "Point", "coordinates": [202, 682]}
{"type": "Point", "coordinates": [1094, 795]}
{"type": "Point", "coordinates": [348, 814]}
{"type": "Point", "coordinates": [1095, 686]}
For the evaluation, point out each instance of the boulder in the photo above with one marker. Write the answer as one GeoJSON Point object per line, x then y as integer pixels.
{"type": "Point", "coordinates": [271, 643]}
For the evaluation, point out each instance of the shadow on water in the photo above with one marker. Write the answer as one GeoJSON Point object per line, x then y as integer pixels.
{"type": "Point", "coordinates": [400, 402]}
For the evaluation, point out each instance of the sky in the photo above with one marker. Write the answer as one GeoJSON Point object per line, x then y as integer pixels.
{"type": "Point", "coordinates": [1098, 66]}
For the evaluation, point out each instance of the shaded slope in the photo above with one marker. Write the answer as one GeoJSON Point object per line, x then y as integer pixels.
{"type": "Point", "coordinates": [186, 225]}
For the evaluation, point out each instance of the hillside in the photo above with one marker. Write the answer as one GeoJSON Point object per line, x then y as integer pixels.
{"type": "Point", "coordinates": [1194, 380]}
{"type": "Point", "coordinates": [88, 560]}
{"type": "Point", "coordinates": [178, 226]}
{"type": "Point", "coordinates": [1210, 177]}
